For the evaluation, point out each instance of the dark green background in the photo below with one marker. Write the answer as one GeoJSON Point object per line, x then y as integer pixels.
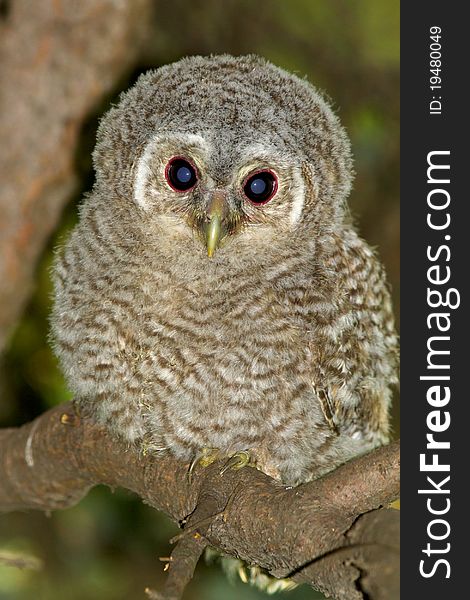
{"type": "Point", "coordinates": [107, 547]}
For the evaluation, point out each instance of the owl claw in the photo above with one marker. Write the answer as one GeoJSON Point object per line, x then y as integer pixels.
{"type": "Point", "coordinates": [208, 456]}
{"type": "Point", "coordinates": [205, 458]}
{"type": "Point", "coordinates": [237, 461]}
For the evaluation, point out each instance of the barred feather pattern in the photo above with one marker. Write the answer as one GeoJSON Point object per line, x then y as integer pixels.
{"type": "Point", "coordinates": [282, 344]}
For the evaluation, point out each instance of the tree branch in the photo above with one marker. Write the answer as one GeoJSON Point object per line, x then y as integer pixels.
{"type": "Point", "coordinates": [57, 59]}
{"type": "Point", "coordinates": [329, 533]}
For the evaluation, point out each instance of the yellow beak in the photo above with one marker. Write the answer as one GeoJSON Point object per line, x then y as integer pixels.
{"type": "Point", "coordinates": [214, 228]}
{"type": "Point", "coordinates": [213, 235]}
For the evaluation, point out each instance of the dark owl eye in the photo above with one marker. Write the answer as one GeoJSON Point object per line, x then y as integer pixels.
{"type": "Point", "coordinates": [261, 186]}
{"type": "Point", "coordinates": [180, 174]}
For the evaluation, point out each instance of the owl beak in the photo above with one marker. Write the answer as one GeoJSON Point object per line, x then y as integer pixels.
{"type": "Point", "coordinates": [213, 234]}
{"type": "Point", "coordinates": [214, 229]}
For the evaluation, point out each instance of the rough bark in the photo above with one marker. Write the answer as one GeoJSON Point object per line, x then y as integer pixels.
{"type": "Point", "coordinates": [57, 59]}
{"type": "Point", "coordinates": [330, 533]}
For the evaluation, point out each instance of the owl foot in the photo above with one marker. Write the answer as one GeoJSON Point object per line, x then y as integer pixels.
{"type": "Point", "coordinates": [235, 568]}
{"type": "Point", "coordinates": [205, 458]}
{"type": "Point", "coordinates": [208, 456]}
{"type": "Point", "coordinates": [237, 461]}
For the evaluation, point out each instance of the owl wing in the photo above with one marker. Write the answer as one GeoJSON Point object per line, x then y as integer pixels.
{"type": "Point", "coordinates": [359, 350]}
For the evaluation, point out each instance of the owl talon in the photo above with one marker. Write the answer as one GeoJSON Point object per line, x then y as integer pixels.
{"type": "Point", "coordinates": [237, 461]}
{"type": "Point", "coordinates": [204, 459]}
{"type": "Point", "coordinates": [208, 456]}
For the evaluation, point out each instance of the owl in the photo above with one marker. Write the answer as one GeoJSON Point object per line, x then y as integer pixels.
{"type": "Point", "coordinates": [214, 300]}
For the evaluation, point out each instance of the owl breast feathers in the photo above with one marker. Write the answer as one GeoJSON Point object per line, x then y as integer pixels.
{"type": "Point", "coordinates": [214, 294]}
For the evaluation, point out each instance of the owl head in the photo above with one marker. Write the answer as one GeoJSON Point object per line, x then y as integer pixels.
{"type": "Point", "coordinates": [224, 152]}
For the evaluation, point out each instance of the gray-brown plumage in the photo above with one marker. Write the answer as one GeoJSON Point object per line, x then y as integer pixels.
{"type": "Point", "coordinates": [281, 343]}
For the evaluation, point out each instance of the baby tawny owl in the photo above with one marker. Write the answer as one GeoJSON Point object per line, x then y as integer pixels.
{"type": "Point", "coordinates": [214, 297]}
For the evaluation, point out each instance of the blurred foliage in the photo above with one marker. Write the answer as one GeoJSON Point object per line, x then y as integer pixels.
{"type": "Point", "coordinates": [108, 546]}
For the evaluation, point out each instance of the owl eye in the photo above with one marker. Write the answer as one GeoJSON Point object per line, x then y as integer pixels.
{"type": "Point", "coordinates": [180, 174]}
{"type": "Point", "coordinates": [261, 186]}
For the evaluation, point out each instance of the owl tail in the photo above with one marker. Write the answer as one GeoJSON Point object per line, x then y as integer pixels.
{"type": "Point", "coordinates": [235, 569]}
